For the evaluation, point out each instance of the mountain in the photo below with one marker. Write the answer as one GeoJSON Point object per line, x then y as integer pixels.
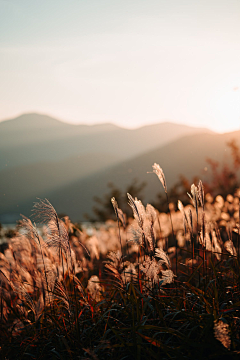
{"type": "Point", "coordinates": [32, 138]}
{"type": "Point", "coordinates": [36, 180]}
{"type": "Point", "coordinates": [186, 156]}
{"type": "Point", "coordinates": [41, 156]}
{"type": "Point", "coordinates": [25, 122]}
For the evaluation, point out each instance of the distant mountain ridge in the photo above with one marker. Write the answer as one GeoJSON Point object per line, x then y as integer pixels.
{"type": "Point", "coordinates": [33, 120]}
{"type": "Point", "coordinates": [40, 121]}
{"type": "Point", "coordinates": [32, 138]}
{"type": "Point", "coordinates": [36, 128]}
{"type": "Point", "coordinates": [43, 157]}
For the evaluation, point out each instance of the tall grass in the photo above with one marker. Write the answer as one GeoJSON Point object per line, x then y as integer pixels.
{"type": "Point", "coordinates": [170, 291]}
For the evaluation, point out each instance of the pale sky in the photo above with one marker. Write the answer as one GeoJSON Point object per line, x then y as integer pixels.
{"type": "Point", "coordinates": [130, 62]}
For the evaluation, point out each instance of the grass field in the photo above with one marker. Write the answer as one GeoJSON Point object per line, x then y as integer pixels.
{"type": "Point", "coordinates": [157, 286]}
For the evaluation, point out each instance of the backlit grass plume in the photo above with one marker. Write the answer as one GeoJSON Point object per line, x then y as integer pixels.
{"type": "Point", "coordinates": [160, 174]}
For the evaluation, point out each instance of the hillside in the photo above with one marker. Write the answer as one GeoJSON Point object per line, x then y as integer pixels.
{"type": "Point", "coordinates": [36, 180]}
{"type": "Point", "coordinates": [186, 156]}
{"type": "Point", "coordinates": [41, 156]}
{"type": "Point", "coordinates": [33, 138]}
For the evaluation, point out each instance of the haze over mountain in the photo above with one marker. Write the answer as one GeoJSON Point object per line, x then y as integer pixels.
{"type": "Point", "coordinates": [32, 138]}
{"type": "Point", "coordinates": [186, 156]}
{"type": "Point", "coordinates": [71, 183]}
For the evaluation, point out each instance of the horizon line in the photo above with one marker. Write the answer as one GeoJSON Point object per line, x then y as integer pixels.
{"type": "Point", "coordinates": [165, 121]}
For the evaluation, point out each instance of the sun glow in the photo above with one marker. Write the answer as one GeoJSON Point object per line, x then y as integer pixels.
{"type": "Point", "coordinates": [131, 64]}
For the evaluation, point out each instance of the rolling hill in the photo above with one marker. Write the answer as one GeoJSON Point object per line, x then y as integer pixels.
{"type": "Point", "coordinates": [33, 138]}
{"type": "Point", "coordinates": [186, 155]}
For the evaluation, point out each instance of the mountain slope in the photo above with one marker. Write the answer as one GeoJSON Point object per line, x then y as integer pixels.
{"type": "Point", "coordinates": [33, 138]}
{"type": "Point", "coordinates": [32, 181]}
{"type": "Point", "coordinates": [185, 156]}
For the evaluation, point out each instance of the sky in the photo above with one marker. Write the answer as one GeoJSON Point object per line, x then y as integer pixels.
{"type": "Point", "coordinates": [129, 62]}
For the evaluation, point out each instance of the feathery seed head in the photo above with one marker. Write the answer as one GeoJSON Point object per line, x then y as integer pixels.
{"type": "Point", "coordinates": [194, 191]}
{"type": "Point", "coordinates": [115, 258]}
{"type": "Point", "coordinates": [180, 206]}
{"type": "Point", "coordinates": [151, 269]}
{"type": "Point", "coordinates": [201, 193]}
{"type": "Point", "coordinates": [230, 247]}
{"type": "Point", "coordinates": [186, 223]}
{"type": "Point", "coordinates": [159, 253]}
{"type": "Point", "coordinates": [167, 276]}
{"type": "Point", "coordinates": [216, 245]}
{"type": "Point", "coordinates": [221, 333]}
{"type": "Point", "coordinates": [194, 196]}
{"type": "Point", "coordinates": [137, 209]}
{"type": "Point", "coordinates": [151, 212]}
{"type": "Point", "coordinates": [118, 212]}
{"type": "Point", "coordinates": [114, 203]}
{"type": "Point", "coordinates": [190, 219]}
{"type": "Point", "coordinates": [94, 288]}
{"type": "Point", "coordinates": [160, 174]}
{"type": "Point", "coordinates": [137, 234]}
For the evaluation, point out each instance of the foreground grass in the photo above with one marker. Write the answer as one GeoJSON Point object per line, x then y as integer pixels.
{"type": "Point", "coordinates": [153, 298]}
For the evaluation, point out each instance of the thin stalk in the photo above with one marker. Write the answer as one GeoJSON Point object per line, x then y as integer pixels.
{"type": "Point", "coordinates": [176, 243]}
{"type": "Point", "coordinates": [198, 249]}
{"type": "Point", "coordinates": [238, 231]}
{"type": "Point", "coordinates": [119, 234]}
{"type": "Point", "coordinates": [120, 239]}
{"type": "Point", "coordinates": [1, 302]}
{"type": "Point", "coordinates": [74, 289]}
{"type": "Point", "coordinates": [160, 229]}
{"type": "Point", "coordinates": [44, 266]}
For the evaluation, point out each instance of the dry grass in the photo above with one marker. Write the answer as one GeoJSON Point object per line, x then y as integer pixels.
{"type": "Point", "coordinates": [158, 285]}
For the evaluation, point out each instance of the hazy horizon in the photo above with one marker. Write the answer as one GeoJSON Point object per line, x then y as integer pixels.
{"type": "Point", "coordinates": [112, 123]}
{"type": "Point", "coordinates": [128, 63]}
